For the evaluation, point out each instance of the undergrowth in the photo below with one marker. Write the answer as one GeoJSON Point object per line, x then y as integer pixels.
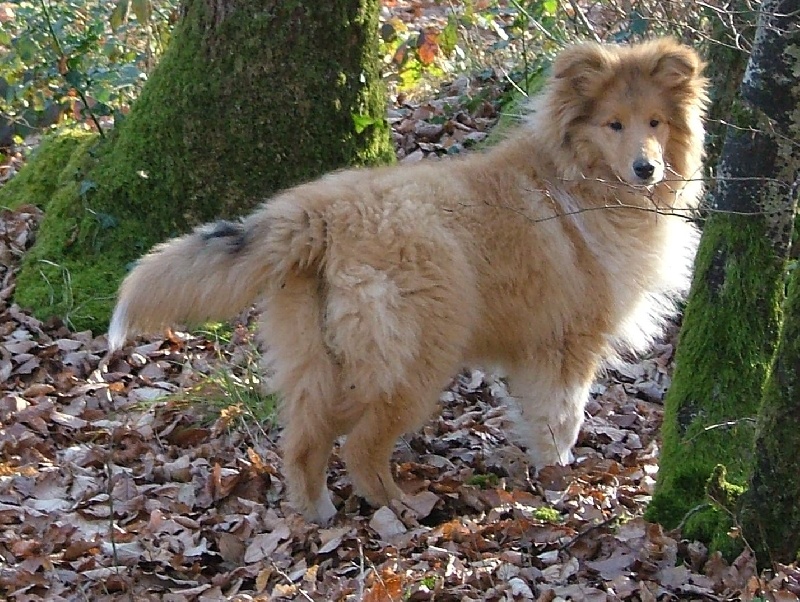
{"type": "Point", "coordinates": [232, 394]}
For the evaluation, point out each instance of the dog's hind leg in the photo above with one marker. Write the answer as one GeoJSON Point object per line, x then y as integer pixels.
{"type": "Point", "coordinates": [398, 327]}
{"type": "Point", "coordinates": [368, 451]}
{"type": "Point", "coordinates": [306, 377]}
{"type": "Point", "coordinates": [394, 376]}
{"type": "Point", "coordinates": [386, 416]}
{"type": "Point", "coordinates": [369, 445]}
{"type": "Point", "coordinates": [306, 449]}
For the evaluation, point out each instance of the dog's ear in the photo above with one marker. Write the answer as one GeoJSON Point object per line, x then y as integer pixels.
{"type": "Point", "coordinates": [584, 67]}
{"type": "Point", "coordinates": [676, 65]}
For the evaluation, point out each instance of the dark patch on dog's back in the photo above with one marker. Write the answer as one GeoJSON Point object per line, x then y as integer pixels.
{"type": "Point", "coordinates": [233, 234]}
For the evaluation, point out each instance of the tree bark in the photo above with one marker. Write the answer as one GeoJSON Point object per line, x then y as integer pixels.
{"type": "Point", "coordinates": [770, 515]}
{"type": "Point", "coordinates": [727, 50]}
{"type": "Point", "coordinates": [733, 314]}
{"type": "Point", "coordinates": [252, 96]}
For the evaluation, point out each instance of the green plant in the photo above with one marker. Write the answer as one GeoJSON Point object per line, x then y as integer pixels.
{"type": "Point", "coordinates": [547, 514]}
{"type": "Point", "coordinates": [233, 390]}
{"type": "Point", "coordinates": [82, 58]}
{"type": "Point", "coordinates": [484, 481]}
{"type": "Point", "coordinates": [413, 56]}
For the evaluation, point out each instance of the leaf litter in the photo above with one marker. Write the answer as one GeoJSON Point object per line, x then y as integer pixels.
{"type": "Point", "coordinates": [112, 486]}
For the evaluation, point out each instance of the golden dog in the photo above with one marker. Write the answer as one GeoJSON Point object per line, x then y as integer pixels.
{"type": "Point", "coordinates": [541, 257]}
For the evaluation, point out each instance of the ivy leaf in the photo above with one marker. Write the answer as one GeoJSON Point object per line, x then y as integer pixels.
{"type": "Point", "coordinates": [449, 36]}
{"type": "Point", "coordinates": [120, 14]}
{"type": "Point", "coordinates": [362, 122]}
{"type": "Point", "coordinates": [74, 78]}
{"type": "Point", "coordinates": [106, 220]}
{"type": "Point", "coordinates": [638, 24]}
{"type": "Point", "coordinates": [142, 10]}
{"type": "Point", "coordinates": [26, 48]}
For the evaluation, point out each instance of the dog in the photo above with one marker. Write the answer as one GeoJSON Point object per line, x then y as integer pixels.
{"type": "Point", "coordinates": [543, 257]}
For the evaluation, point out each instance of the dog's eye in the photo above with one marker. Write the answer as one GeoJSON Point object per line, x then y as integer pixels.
{"type": "Point", "coordinates": [615, 125]}
{"type": "Point", "coordinates": [654, 123]}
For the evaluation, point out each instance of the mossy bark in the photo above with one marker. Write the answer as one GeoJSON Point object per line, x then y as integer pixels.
{"type": "Point", "coordinates": [46, 170]}
{"type": "Point", "coordinates": [733, 314]}
{"type": "Point", "coordinates": [252, 96]}
{"type": "Point", "coordinates": [727, 341]}
{"type": "Point", "coordinates": [770, 513]}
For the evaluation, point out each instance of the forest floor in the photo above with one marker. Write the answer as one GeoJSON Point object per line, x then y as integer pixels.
{"type": "Point", "coordinates": [155, 474]}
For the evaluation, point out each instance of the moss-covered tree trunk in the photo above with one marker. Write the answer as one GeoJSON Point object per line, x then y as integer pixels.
{"type": "Point", "coordinates": [252, 96]}
{"type": "Point", "coordinates": [733, 314]}
{"type": "Point", "coordinates": [770, 515]}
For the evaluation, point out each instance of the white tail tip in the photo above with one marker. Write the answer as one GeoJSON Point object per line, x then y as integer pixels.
{"type": "Point", "coordinates": [118, 329]}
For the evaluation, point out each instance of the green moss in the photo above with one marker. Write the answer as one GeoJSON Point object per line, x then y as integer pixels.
{"type": "Point", "coordinates": [241, 106]}
{"type": "Point", "coordinates": [484, 481]}
{"type": "Point", "coordinates": [770, 515]}
{"type": "Point", "coordinates": [547, 514]}
{"type": "Point", "coordinates": [727, 342]}
{"type": "Point", "coordinates": [724, 493]}
{"type": "Point", "coordinates": [45, 170]}
{"type": "Point", "coordinates": [57, 275]}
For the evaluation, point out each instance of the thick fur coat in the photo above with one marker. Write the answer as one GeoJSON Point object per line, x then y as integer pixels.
{"type": "Point", "coordinates": [542, 257]}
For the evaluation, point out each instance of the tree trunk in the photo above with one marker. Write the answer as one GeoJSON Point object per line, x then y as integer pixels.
{"type": "Point", "coordinates": [733, 313]}
{"type": "Point", "coordinates": [770, 515]}
{"type": "Point", "coordinates": [252, 96]}
{"type": "Point", "coordinates": [727, 50]}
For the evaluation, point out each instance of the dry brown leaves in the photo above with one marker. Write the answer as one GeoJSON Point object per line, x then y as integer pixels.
{"type": "Point", "coordinates": [111, 489]}
{"type": "Point", "coordinates": [460, 118]}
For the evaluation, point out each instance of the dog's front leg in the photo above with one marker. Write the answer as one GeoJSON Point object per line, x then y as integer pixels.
{"type": "Point", "coordinates": [551, 412]}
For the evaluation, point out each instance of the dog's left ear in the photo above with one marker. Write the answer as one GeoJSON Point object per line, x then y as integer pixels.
{"type": "Point", "coordinates": [677, 65]}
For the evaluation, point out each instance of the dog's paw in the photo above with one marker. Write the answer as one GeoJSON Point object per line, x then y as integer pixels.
{"type": "Point", "coordinates": [549, 456]}
{"type": "Point", "coordinates": [324, 510]}
{"type": "Point", "coordinates": [320, 511]}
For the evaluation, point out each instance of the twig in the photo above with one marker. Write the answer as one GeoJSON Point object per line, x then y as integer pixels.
{"type": "Point", "coordinates": [541, 28]}
{"type": "Point", "coordinates": [584, 21]}
{"type": "Point", "coordinates": [684, 213]}
{"type": "Point", "coordinates": [690, 514]}
{"type": "Point", "coordinates": [290, 582]}
{"type": "Point", "coordinates": [514, 84]}
{"type": "Point", "coordinates": [63, 56]}
{"type": "Point", "coordinates": [726, 424]}
{"type": "Point", "coordinates": [110, 491]}
{"type": "Point", "coordinates": [362, 572]}
{"type": "Point", "coordinates": [585, 532]}
{"type": "Point", "coordinates": [555, 443]}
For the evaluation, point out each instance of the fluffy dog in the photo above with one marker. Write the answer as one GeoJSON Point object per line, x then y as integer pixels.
{"type": "Point", "coordinates": [542, 257]}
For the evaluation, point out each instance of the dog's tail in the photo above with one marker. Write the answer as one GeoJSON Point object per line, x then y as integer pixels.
{"type": "Point", "coordinates": [216, 271]}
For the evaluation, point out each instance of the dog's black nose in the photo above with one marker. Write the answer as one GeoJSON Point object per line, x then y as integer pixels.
{"type": "Point", "coordinates": [643, 169]}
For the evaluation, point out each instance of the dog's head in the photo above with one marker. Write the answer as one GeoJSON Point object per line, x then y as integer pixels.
{"type": "Point", "coordinates": [629, 112]}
